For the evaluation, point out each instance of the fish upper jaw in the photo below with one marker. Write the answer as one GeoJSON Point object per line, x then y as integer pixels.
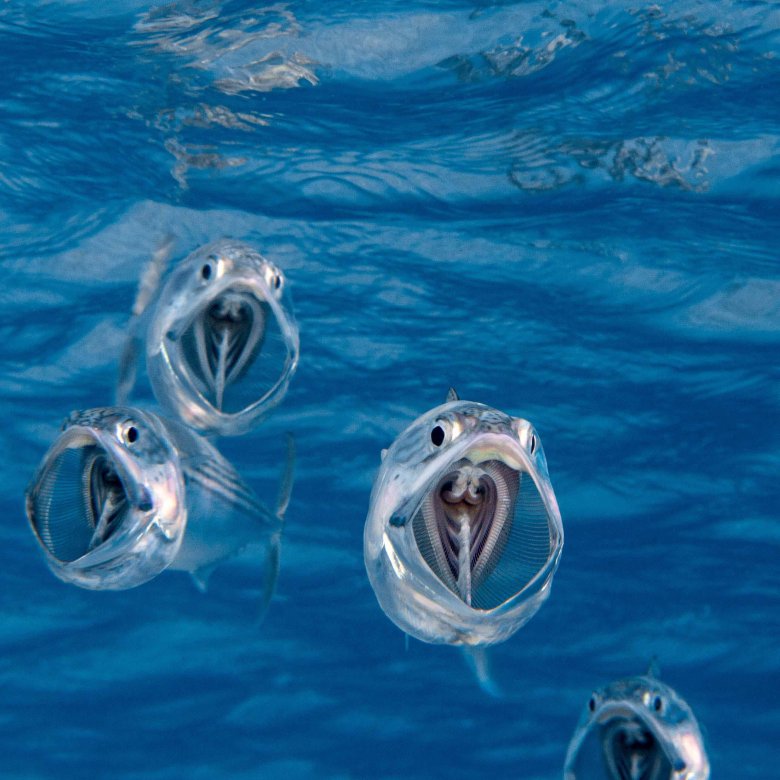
{"type": "Point", "coordinates": [474, 449]}
{"type": "Point", "coordinates": [187, 305]}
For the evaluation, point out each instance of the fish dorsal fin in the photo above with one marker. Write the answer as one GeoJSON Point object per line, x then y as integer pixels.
{"type": "Point", "coordinates": [147, 289]}
{"type": "Point", "coordinates": [383, 454]}
{"type": "Point", "coordinates": [285, 487]}
{"type": "Point", "coordinates": [654, 668]}
{"type": "Point", "coordinates": [452, 395]}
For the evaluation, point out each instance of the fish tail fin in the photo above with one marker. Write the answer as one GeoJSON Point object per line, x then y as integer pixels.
{"type": "Point", "coordinates": [477, 659]}
{"type": "Point", "coordinates": [147, 287]}
{"type": "Point", "coordinates": [288, 476]}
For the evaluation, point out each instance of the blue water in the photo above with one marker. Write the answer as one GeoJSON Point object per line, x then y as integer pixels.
{"type": "Point", "coordinates": [567, 211]}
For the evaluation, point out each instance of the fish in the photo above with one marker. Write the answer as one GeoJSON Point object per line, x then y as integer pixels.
{"type": "Point", "coordinates": [124, 494]}
{"type": "Point", "coordinates": [463, 533]}
{"type": "Point", "coordinates": [221, 343]}
{"type": "Point", "coordinates": [637, 728]}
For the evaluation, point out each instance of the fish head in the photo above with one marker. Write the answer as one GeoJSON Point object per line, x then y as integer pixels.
{"type": "Point", "coordinates": [107, 504]}
{"type": "Point", "coordinates": [223, 343]}
{"type": "Point", "coordinates": [637, 729]}
{"type": "Point", "coordinates": [463, 533]}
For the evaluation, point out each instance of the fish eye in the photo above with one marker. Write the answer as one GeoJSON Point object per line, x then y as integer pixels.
{"type": "Point", "coordinates": [130, 434]}
{"type": "Point", "coordinates": [206, 271]}
{"type": "Point", "coordinates": [592, 704]}
{"type": "Point", "coordinates": [532, 443]}
{"type": "Point", "coordinates": [437, 435]}
{"type": "Point", "coordinates": [658, 703]}
{"type": "Point", "coordinates": [273, 277]}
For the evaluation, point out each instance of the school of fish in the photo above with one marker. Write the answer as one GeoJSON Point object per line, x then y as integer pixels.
{"type": "Point", "coordinates": [463, 534]}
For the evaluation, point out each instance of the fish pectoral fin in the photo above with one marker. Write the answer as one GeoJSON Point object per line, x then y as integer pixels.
{"type": "Point", "coordinates": [288, 476]}
{"type": "Point", "coordinates": [202, 576]}
{"type": "Point", "coordinates": [477, 659]}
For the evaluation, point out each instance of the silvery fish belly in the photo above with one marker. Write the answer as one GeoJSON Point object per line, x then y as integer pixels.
{"type": "Point", "coordinates": [637, 729]}
{"type": "Point", "coordinates": [122, 495]}
{"type": "Point", "coordinates": [463, 533]}
{"type": "Point", "coordinates": [222, 343]}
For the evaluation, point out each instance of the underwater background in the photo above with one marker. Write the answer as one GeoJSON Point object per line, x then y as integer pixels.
{"type": "Point", "coordinates": [566, 211]}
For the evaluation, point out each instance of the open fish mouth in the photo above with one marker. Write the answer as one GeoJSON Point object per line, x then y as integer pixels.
{"type": "Point", "coordinates": [484, 530]}
{"type": "Point", "coordinates": [621, 748]}
{"type": "Point", "coordinates": [233, 351]}
{"type": "Point", "coordinates": [79, 500]}
{"type": "Point", "coordinates": [631, 752]}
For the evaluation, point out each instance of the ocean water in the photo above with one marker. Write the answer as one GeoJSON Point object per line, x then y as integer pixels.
{"type": "Point", "coordinates": [567, 211]}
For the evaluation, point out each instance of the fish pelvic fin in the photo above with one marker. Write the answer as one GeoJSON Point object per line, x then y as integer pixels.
{"type": "Point", "coordinates": [202, 576]}
{"type": "Point", "coordinates": [452, 395]}
{"type": "Point", "coordinates": [477, 659]}
{"type": "Point", "coordinates": [288, 477]}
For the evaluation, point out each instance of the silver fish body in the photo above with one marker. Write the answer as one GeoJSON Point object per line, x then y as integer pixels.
{"type": "Point", "coordinates": [222, 342]}
{"type": "Point", "coordinates": [463, 534]}
{"type": "Point", "coordinates": [123, 494]}
{"type": "Point", "coordinates": [637, 728]}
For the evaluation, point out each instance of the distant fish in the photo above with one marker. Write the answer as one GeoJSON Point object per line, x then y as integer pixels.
{"type": "Point", "coordinates": [637, 729]}
{"type": "Point", "coordinates": [463, 533]}
{"type": "Point", "coordinates": [122, 495]}
{"type": "Point", "coordinates": [222, 342]}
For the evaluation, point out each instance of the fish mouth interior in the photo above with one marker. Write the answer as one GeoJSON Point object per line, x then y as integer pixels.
{"type": "Point", "coordinates": [630, 751]}
{"type": "Point", "coordinates": [484, 530]}
{"type": "Point", "coordinates": [79, 501]}
{"type": "Point", "coordinates": [233, 351]}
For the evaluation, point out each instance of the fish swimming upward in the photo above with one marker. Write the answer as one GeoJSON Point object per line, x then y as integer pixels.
{"type": "Point", "coordinates": [221, 342]}
{"type": "Point", "coordinates": [463, 533]}
{"type": "Point", "coordinates": [637, 729]}
{"type": "Point", "coordinates": [122, 495]}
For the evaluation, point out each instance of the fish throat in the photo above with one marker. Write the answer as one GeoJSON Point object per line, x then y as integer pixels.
{"type": "Point", "coordinates": [224, 340]}
{"type": "Point", "coordinates": [463, 524]}
{"type": "Point", "coordinates": [631, 752]}
{"type": "Point", "coordinates": [107, 500]}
